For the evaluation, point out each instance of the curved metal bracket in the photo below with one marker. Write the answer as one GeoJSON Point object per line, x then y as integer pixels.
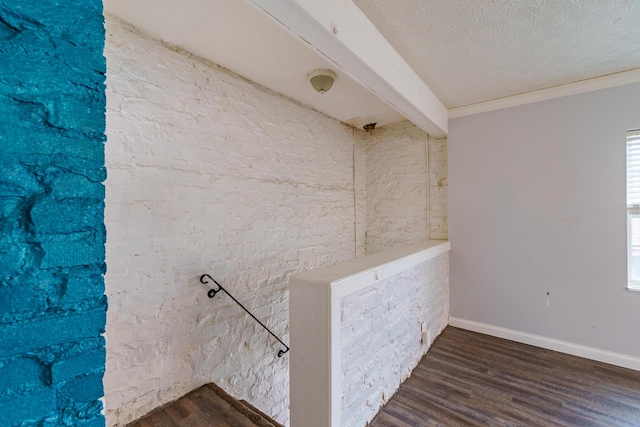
{"type": "Point", "coordinates": [206, 279]}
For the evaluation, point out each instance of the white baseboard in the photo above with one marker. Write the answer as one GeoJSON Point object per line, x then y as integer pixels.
{"type": "Point", "coordinates": [612, 358]}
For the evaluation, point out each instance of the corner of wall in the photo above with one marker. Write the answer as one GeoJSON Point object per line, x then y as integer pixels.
{"type": "Point", "coordinates": [406, 186]}
{"type": "Point", "coordinates": [360, 190]}
{"type": "Point", "coordinates": [438, 188]}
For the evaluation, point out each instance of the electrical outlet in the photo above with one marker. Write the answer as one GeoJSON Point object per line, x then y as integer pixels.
{"type": "Point", "coordinates": [425, 338]}
{"type": "Point", "coordinates": [547, 303]}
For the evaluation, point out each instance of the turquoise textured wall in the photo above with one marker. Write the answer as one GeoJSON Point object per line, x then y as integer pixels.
{"type": "Point", "coordinates": [52, 234]}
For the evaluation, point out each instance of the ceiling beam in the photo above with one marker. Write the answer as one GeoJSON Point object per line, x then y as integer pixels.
{"type": "Point", "coordinates": [339, 31]}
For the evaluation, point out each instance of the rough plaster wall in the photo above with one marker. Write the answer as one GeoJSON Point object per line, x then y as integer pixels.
{"type": "Point", "coordinates": [438, 189]}
{"type": "Point", "coordinates": [52, 303]}
{"type": "Point", "coordinates": [396, 189]}
{"type": "Point", "coordinates": [381, 335]}
{"type": "Point", "coordinates": [210, 173]}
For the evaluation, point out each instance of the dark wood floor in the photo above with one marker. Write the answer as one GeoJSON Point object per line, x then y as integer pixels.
{"type": "Point", "coordinates": [470, 379]}
{"type": "Point", "coordinates": [207, 406]}
{"type": "Point", "coordinates": [200, 408]}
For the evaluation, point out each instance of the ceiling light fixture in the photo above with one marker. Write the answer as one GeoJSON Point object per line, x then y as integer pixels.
{"type": "Point", "coordinates": [321, 80]}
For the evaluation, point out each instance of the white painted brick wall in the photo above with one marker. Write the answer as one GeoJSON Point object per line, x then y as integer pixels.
{"type": "Point", "coordinates": [396, 190]}
{"type": "Point", "coordinates": [381, 335]}
{"type": "Point", "coordinates": [209, 173]}
{"type": "Point", "coordinates": [360, 188]}
{"type": "Point", "coordinates": [438, 189]}
{"type": "Point", "coordinates": [406, 187]}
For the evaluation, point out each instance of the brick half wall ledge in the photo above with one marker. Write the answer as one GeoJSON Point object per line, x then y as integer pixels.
{"type": "Point", "coordinates": [359, 327]}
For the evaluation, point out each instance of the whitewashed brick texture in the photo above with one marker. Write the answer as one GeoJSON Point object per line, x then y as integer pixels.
{"type": "Point", "coordinates": [438, 189]}
{"type": "Point", "coordinates": [209, 173]}
{"type": "Point", "coordinates": [381, 335]}
{"type": "Point", "coordinates": [406, 187]}
{"type": "Point", "coordinates": [396, 187]}
{"type": "Point", "coordinates": [360, 188]}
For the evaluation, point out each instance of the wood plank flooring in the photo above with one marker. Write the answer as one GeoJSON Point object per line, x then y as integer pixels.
{"type": "Point", "coordinates": [470, 379]}
{"type": "Point", "coordinates": [207, 406]}
{"type": "Point", "coordinates": [466, 379]}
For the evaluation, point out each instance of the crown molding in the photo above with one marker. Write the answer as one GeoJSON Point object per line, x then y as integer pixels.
{"type": "Point", "coordinates": [604, 82]}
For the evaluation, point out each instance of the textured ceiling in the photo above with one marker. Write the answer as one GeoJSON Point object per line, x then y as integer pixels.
{"type": "Point", "coordinates": [468, 51]}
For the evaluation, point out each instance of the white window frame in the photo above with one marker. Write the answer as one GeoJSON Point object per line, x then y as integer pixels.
{"type": "Point", "coordinates": [633, 203]}
{"type": "Point", "coordinates": [632, 213]}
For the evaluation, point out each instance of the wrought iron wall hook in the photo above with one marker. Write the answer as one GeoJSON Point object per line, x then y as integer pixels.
{"type": "Point", "coordinates": [206, 279]}
{"type": "Point", "coordinates": [212, 292]}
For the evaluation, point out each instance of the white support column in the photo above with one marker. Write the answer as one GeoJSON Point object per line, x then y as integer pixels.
{"type": "Point", "coordinates": [338, 30]}
{"type": "Point", "coordinates": [310, 356]}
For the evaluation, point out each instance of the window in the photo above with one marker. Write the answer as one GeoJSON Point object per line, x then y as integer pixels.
{"type": "Point", "coordinates": [633, 209]}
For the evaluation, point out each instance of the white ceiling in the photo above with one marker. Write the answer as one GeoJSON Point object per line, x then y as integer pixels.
{"type": "Point", "coordinates": [466, 51]}
{"type": "Point", "coordinates": [469, 51]}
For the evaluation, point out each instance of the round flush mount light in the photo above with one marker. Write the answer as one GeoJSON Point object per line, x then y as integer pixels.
{"type": "Point", "coordinates": [321, 80]}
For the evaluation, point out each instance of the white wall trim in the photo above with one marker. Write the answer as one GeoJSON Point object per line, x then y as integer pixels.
{"type": "Point", "coordinates": [604, 82]}
{"type": "Point", "coordinates": [599, 355]}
